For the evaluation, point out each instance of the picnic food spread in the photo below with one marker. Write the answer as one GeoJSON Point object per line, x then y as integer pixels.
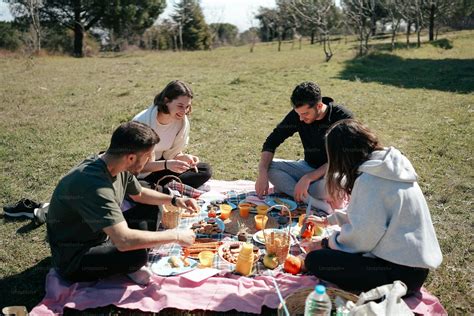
{"type": "Point", "coordinates": [242, 256]}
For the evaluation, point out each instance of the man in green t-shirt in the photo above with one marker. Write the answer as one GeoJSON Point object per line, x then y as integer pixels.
{"type": "Point", "coordinates": [90, 237]}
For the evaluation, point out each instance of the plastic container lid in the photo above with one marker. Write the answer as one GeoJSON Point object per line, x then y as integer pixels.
{"type": "Point", "coordinates": [320, 289]}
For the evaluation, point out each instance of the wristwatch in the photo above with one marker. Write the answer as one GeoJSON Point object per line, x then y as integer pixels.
{"type": "Point", "coordinates": [173, 201]}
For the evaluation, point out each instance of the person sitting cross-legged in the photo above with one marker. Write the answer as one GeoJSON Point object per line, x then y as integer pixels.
{"type": "Point", "coordinates": [311, 116]}
{"type": "Point", "coordinates": [89, 236]}
{"type": "Point", "coordinates": [386, 231]}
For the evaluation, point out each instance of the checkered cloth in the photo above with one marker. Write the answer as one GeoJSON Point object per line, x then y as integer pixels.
{"type": "Point", "coordinates": [175, 249]}
{"type": "Point", "coordinates": [184, 189]}
{"type": "Point", "coordinates": [237, 198]}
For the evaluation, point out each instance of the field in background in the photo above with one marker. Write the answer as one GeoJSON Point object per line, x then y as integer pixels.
{"type": "Point", "coordinates": [57, 110]}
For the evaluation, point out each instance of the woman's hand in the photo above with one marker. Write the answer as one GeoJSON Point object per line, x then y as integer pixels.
{"type": "Point", "coordinates": [191, 160]}
{"type": "Point", "coordinates": [319, 221]}
{"type": "Point", "coordinates": [311, 245]}
{"type": "Point", "coordinates": [177, 166]}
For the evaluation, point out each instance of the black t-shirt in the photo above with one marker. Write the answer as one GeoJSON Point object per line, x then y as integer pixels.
{"type": "Point", "coordinates": [312, 135]}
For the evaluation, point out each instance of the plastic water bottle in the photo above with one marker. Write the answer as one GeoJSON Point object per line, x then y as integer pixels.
{"type": "Point", "coordinates": [318, 302]}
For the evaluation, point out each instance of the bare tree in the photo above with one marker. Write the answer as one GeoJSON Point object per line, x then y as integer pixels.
{"type": "Point", "coordinates": [252, 31]}
{"type": "Point", "coordinates": [31, 10]}
{"type": "Point", "coordinates": [394, 16]}
{"type": "Point", "coordinates": [316, 13]}
{"type": "Point", "coordinates": [359, 15]}
{"type": "Point", "coordinates": [437, 10]}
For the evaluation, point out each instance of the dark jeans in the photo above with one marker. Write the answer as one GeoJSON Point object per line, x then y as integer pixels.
{"type": "Point", "coordinates": [190, 177]}
{"type": "Point", "coordinates": [354, 272]}
{"type": "Point", "coordinates": [105, 260]}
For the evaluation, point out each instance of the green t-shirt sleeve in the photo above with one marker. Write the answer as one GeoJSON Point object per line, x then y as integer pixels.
{"type": "Point", "coordinates": [100, 209]}
{"type": "Point", "coordinates": [133, 186]}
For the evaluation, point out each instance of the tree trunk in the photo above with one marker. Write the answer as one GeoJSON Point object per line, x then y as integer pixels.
{"type": "Point", "coordinates": [327, 51]}
{"type": "Point", "coordinates": [408, 34]}
{"type": "Point", "coordinates": [78, 31]}
{"type": "Point", "coordinates": [394, 33]}
{"type": "Point", "coordinates": [432, 21]}
{"type": "Point", "coordinates": [373, 26]}
{"type": "Point", "coordinates": [418, 31]}
{"type": "Point", "coordinates": [312, 37]}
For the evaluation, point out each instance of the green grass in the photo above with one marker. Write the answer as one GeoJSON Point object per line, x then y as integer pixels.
{"type": "Point", "coordinates": [57, 110]}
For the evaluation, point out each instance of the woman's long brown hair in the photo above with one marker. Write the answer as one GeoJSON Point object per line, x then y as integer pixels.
{"type": "Point", "coordinates": [348, 145]}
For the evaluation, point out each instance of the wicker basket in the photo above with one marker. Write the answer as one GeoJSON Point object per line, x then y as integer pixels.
{"type": "Point", "coordinates": [295, 301]}
{"type": "Point", "coordinates": [171, 214]}
{"type": "Point", "coordinates": [278, 243]}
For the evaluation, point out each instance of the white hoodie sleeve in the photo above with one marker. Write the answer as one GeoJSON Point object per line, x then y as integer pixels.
{"type": "Point", "coordinates": [366, 221]}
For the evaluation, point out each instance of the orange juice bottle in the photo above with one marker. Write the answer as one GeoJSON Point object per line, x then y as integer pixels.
{"type": "Point", "coordinates": [245, 260]}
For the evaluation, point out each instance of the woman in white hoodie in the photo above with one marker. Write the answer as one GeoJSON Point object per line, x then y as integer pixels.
{"type": "Point", "coordinates": [386, 231]}
{"type": "Point", "coordinates": [168, 116]}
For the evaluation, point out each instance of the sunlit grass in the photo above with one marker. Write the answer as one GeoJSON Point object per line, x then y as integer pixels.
{"type": "Point", "coordinates": [57, 110]}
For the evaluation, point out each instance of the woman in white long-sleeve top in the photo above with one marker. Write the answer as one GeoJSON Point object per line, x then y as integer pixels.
{"type": "Point", "coordinates": [168, 116]}
{"type": "Point", "coordinates": [386, 231]}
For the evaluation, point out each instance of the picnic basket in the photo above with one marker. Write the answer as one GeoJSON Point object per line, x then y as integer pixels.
{"type": "Point", "coordinates": [278, 243]}
{"type": "Point", "coordinates": [295, 301]}
{"type": "Point", "coordinates": [171, 214]}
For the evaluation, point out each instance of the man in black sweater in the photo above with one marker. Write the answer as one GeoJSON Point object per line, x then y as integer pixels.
{"type": "Point", "coordinates": [311, 117]}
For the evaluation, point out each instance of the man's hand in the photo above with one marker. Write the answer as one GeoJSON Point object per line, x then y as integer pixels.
{"type": "Point", "coordinates": [185, 237]}
{"type": "Point", "coordinates": [187, 203]}
{"type": "Point", "coordinates": [177, 166]}
{"type": "Point", "coordinates": [261, 185]}
{"type": "Point", "coordinates": [301, 189]}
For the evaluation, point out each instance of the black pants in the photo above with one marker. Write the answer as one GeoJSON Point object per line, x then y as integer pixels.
{"type": "Point", "coordinates": [190, 177]}
{"type": "Point", "coordinates": [105, 260]}
{"type": "Point", "coordinates": [354, 272]}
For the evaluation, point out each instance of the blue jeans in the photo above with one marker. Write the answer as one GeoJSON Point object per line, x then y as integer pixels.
{"type": "Point", "coordinates": [284, 174]}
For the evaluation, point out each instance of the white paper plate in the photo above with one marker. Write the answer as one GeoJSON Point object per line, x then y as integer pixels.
{"type": "Point", "coordinates": [258, 236]}
{"type": "Point", "coordinates": [226, 245]}
{"type": "Point", "coordinates": [163, 268]}
{"type": "Point", "coordinates": [271, 202]}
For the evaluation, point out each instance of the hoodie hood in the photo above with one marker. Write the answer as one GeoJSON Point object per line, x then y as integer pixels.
{"type": "Point", "coordinates": [390, 164]}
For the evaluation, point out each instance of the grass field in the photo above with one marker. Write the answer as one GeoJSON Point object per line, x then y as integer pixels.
{"type": "Point", "coordinates": [57, 110]}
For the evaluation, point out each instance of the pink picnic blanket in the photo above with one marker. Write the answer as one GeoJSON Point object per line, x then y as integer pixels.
{"type": "Point", "coordinates": [220, 293]}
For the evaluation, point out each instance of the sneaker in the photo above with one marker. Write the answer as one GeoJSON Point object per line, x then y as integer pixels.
{"type": "Point", "coordinates": [142, 276]}
{"type": "Point", "coordinates": [24, 207]}
{"type": "Point", "coordinates": [40, 214]}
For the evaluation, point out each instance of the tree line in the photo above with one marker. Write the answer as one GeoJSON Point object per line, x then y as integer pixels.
{"type": "Point", "coordinates": [75, 26]}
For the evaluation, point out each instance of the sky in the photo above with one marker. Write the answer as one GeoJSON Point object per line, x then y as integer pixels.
{"type": "Point", "coordinates": [237, 12]}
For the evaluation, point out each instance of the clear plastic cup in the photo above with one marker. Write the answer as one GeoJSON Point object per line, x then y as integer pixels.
{"type": "Point", "coordinates": [225, 211]}
{"type": "Point", "coordinates": [244, 209]}
{"type": "Point", "coordinates": [206, 258]}
{"type": "Point", "coordinates": [262, 209]}
{"type": "Point", "coordinates": [260, 221]}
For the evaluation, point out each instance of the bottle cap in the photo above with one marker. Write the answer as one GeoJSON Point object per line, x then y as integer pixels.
{"type": "Point", "coordinates": [320, 289]}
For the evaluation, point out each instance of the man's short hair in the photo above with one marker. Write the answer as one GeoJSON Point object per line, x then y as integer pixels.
{"type": "Point", "coordinates": [131, 138]}
{"type": "Point", "coordinates": [306, 93]}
